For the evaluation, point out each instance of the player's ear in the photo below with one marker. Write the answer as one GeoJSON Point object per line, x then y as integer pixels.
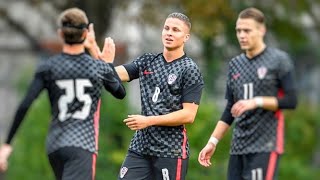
{"type": "Point", "coordinates": [186, 38]}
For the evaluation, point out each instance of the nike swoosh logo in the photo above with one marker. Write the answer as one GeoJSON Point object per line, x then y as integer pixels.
{"type": "Point", "coordinates": [145, 72]}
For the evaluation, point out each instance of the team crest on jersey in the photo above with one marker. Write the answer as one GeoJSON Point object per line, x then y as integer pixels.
{"type": "Point", "coordinates": [123, 171]}
{"type": "Point", "coordinates": [171, 78]}
{"type": "Point", "coordinates": [262, 71]}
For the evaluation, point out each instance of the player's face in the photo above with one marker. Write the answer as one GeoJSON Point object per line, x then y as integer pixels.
{"type": "Point", "coordinates": [249, 33]}
{"type": "Point", "coordinates": [174, 34]}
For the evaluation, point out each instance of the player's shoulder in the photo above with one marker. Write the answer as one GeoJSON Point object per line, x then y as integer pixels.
{"type": "Point", "coordinates": [277, 52]}
{"type": "Point", "coordinates": [237, 59]}
{"type": "Point", "coordinates": [149, 56]}
{"type": "Point", "coordinates": [279, 56]}
{"type": "Point", "coordinates": [189, 62]}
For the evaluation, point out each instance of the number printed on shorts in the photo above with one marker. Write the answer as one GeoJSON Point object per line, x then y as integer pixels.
{"type": "Point", "coordinates": [156, 94]}
{"type": "Point", "coordinates": [257, 174]}
{"type": "Point", "coordinates": [165, 174]}
{"type": "Point", "coordinates": [74, 89]}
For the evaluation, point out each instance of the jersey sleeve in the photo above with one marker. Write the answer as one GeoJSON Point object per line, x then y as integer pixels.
{"type": "Point", "coordinates": [192, 85]}
{"type": "Point", "coordinates": [36, 86]}
{"type": "Point", "coordinates": [226, 115]}
{"type": "Point", "coordinates": [286, 73]}
{"type": "Point", "coordinates": [112, 82]}
{"type": "Point", "coordinates": [133, 68]}
{"type": "Point", "coordinates": [287, 83]}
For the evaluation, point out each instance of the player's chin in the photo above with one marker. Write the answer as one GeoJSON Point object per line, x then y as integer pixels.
{"type": "Point", "coordinates": [244, 47]}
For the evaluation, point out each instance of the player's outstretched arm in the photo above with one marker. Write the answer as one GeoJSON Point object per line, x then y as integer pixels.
{"type": "Point", "coordinates": [208, 150]}
{"type": "Point", "coordinates": [5, 152]}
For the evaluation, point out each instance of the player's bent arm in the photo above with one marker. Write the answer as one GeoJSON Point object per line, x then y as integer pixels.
{"type": "Point", "coordinates": [177, 118]}
{"type": "Point", "coordinates": [122, 73]}
{"type": "Point", "coordinates": [288, 101]}
{"type": "Point", "coordinates": [266, 102]}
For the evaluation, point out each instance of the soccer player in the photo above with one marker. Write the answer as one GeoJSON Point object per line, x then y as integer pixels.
{"type": "Point", "coordinates": [260, 83]}
{"type": "Point", "coordinates": [170, 86]}
{"type": "Point", "coordinates": [74, 82]}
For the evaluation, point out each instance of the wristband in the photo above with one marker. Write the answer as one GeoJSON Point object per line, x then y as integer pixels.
{"type": "Point", "coordinates": [213, 140]}
{"type": "Point", "coordinates": [258, 101]}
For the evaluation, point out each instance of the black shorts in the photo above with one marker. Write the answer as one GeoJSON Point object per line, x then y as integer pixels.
{"type": "Point", "coordinates": [257, 166]}
{"type": "Point", "coordinates": [72, 163]}
{"type": "Point", "coordinates": [141, 167]}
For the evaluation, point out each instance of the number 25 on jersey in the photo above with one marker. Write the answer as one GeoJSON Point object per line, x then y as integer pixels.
{"type": "Point", "coordinates": [74, 89]}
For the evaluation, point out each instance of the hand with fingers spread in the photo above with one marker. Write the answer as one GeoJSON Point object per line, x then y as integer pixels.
{"type": "Point", "coordinates": [206, 154]}
{"type": "Point", "coordinates": [136, 122]}
{"type": "Point", "coordinates": [5, 152]}
{"type": "Point", "coordinates": [108, 52]}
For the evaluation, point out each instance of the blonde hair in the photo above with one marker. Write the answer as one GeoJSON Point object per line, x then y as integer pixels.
{"type": "Point", "coordinates": [181, 17]}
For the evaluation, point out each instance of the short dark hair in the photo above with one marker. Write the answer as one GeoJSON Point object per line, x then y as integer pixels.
{"type": "Point", "coordinates": [252, 13]}
{"type": "Point", "coordinates": [73, 22]}
{"type": "Point", "coordinates": [181, 17]}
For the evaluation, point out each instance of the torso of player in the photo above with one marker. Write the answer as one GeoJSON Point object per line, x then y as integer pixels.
{"type": "Point", "coordinates": [74, 89]}
{"type": "Point", "coordinates": [161, 85]}
{"type": "Point", "coordinates": [255, 130]}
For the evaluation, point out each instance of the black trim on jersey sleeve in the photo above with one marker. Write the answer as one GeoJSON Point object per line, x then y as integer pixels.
{"type": "Point", "coordinates": [34, 90]}
{"type": "Point", "coordinates": [289, 100]}
{"type": "Point", "coordinates": [112, 83]}
{"type": "Point", "coordinates": [226, 115]}
{"type": "Point", "coordinates": [133, 70]}
{"type": "Point", "coordinates": [193, 94]}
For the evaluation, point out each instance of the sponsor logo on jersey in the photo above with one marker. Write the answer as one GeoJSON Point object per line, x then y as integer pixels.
{"type": "Point", "coordinates": [171, 78]}
{"type": "Point", "coordinates": [123, 171]}
{"type": "Point", "coordinates": [262, 71]}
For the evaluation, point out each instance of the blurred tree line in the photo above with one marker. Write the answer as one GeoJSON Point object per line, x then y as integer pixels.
{"type": "Point", "coordinates": [213, 22]}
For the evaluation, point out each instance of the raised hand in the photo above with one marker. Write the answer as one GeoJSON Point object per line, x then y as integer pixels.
{"type": "Point", "coordinates": [5, 152]}
{"type": "Point", "coordinates": [109, 50]}
{"type": "Point", "coordinates": [90, 42]}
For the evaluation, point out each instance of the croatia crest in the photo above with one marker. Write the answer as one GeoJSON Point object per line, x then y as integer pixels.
{"type": "Point", "coordinates": [171, 78]}
{"type": "Point", "coordinates": [123, 171]}
{"type": "Point", "coordinates": [262, 71]}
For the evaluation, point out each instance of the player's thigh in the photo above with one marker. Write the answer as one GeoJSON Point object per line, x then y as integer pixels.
{"type": "Point", "coordinates": [170, 168]}
{"type": "Point", "coordinates": [79, 164]}
{"type": "Point", "coordinates": [235, 167]}
{"type": "Point", "coordinates": [135, 166]}
{"type": "Point", "coordinates": [261, 166]}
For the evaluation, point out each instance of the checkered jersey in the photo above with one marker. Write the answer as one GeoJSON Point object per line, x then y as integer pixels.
{"type": "Point", "coordinates": [164, 87]}
{"type": "Point", "coordinates": [74, 84]}
{"type": "Point", "coordinates": [257, 130]}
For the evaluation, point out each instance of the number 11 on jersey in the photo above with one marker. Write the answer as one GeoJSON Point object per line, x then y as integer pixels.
{"type": "Point", "coordinates": [248, 91]}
